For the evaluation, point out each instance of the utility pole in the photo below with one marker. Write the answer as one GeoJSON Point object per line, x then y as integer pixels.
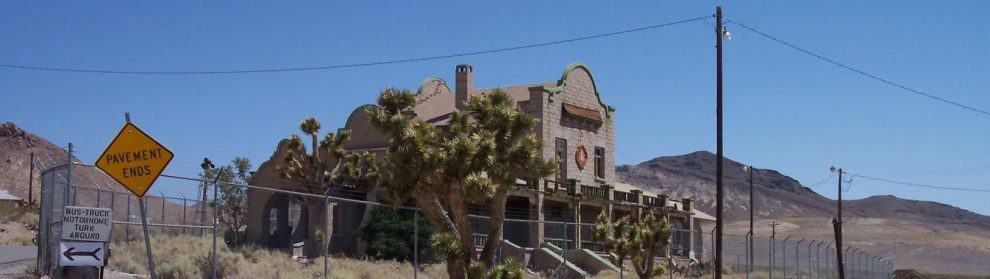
{"type": "Point", "coordinates": [837, 226]}
{"type": "Point", "coordinates": [31, 181]}
{"type": "Point", "coordinates": [718, 149]}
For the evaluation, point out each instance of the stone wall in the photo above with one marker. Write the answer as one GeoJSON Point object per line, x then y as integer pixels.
{"type": "Point", "coordinates": [579, 90]}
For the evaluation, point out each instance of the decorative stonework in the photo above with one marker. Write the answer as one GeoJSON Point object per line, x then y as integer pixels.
{"type": "Point", "coordinates": [581, 157]}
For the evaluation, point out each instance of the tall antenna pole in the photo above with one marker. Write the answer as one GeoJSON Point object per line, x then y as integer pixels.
{"type": "Point", "coordinates": [718, 161]}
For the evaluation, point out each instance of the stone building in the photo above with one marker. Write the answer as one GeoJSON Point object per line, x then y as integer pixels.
{"type": "Point", "coordinates": [577, 129]}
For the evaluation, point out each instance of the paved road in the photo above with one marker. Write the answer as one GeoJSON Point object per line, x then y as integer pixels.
{"type": "Point", "coordinates": [10, 254]}
{"type": "Point", "coordinates": [13, 259]}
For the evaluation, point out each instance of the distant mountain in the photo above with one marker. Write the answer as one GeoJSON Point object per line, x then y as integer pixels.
{"type": "Point", "coordinates": [930, 236]}
{"type": "Point", "coordinates": [693, 175]}
{"type": "Point", "coordinates": [775, 195]}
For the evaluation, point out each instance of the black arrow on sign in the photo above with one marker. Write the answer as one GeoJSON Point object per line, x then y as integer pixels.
{"type": "Point", "coordinates": [68, 253]}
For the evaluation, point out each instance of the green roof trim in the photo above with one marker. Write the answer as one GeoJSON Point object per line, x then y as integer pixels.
{"type": "Point", "coordinates": [428, 80]}
{"type": "Point", "coordinates": [563, 83]}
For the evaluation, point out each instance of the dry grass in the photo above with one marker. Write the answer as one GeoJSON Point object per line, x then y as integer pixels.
{"type": "Point", "coordinates": [18, 225]}
{"type": "Point", "coordinates": [187, 257]}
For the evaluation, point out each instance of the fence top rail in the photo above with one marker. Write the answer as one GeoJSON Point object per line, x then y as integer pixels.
{"type": "Point", "coordinates": [163, 225]}
{"type": "Point", "coordinates": [292, 192]}
{"type": "Point", "coordinates": [163, 196]}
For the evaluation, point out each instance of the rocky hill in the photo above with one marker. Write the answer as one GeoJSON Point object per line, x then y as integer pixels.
{"type": "Point", "coordinates": [693, 175]}
{"type": "Point", "coordinates": [16, 146]}
{"type": "Point", "coordinates": [929, 236]}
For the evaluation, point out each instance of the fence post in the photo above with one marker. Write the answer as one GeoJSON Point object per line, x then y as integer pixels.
{"type": "Point", "coordinates": [163, 210]}
{"type": "Point", "coordinates": [860, 263]}
{"type": "Point", "coordinates": [851, 259]}
{"type": "Point", "coordinates": [68, 180]}
{"type": "Point", "coordinates": [216, 218]}
{"type": "Point", "coordinates": [113, 195]}
{"type": "Point", "coordinates": [797, 259]}
{"type": "Point", "coordinates": [415, 244]}
{"type": "Point", "coordinates": [770, 258]}
{"type": "Point", "coordinates": [183, 213]}
{"type": "Point", "coordinates": [127, 227]}
{"type": "Point", "coordinates": [815, 268]}
{"type": "Point", "coordinates": [326, 234]}
{"type": "Point", "coordinates": [783, 257]}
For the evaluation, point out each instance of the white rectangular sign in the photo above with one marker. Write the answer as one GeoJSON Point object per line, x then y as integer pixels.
{"type": "Point", "coordinates": [86, 223]}
{"type": "Point", "coordinates": [71, 253]}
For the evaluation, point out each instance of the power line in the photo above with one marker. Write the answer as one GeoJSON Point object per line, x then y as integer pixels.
{"type": "Point", "coordinates": [343, 66]}
{"type": "Point", "coordinates": [868, 75]}
{"type": "Point", "coordinates": [921, 185]}
{"type": "Point", "coordinates": [827, 179]}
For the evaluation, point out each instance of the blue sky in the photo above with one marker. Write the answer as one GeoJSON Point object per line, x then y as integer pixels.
{"type": "Point", "coordinates": [784, 110]}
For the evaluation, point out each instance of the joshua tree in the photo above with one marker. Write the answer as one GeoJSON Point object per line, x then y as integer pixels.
{"type": "Point", "coordinates": [439, 170]}
{"type": "Point", "coordinates": [326, 163]}
{"type": "Point", "coordinates": [314, 170]}
{"type": "Point", "coordinates": [474, 158]}
{"type": "Point", "coordinates": [515, 153]}
{"type": "Point", "coordinates": [640, 241]}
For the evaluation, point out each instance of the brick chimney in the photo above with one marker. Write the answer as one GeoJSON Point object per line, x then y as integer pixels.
{"type": "Point", "coordinates": [464, 83]}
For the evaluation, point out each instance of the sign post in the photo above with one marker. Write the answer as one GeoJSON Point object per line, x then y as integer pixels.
{"type": "Point", "coordinates": [135, 160]}
{"type": "Point", "coordinates": [81, 253]}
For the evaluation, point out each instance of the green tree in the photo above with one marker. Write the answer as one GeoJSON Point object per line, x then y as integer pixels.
{"type": "Point", "coordinates": [319, 167]}
{"type": "Point", "coordinates": [326, 163]}
{"type": "Point", "coordinates": [233, 200]}
{"type": "Point", "coordinates": [639, 241]}
{"type": "Point", "coordinates": [438, 169]}
{"type": "Point", "coordinates": [515, 153]}
{"type": "Point", "coordinates": [474, 158]}
{"type": "Point", "coordinates": [389, 236]}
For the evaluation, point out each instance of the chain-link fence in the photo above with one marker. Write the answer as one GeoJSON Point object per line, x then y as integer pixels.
{"type": "Point", "coordinates": [787, 257]}
{"type": "Point", "coordinates": [303, 227]}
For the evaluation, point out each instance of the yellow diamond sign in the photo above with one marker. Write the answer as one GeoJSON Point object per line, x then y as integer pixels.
{"type": "Point", "coordinates": [134, 159]}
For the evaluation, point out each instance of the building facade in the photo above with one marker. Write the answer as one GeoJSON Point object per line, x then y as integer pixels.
{"type": "Point", "coordinates": [577, 129]}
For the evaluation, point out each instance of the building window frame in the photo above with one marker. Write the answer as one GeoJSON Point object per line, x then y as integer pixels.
{"type": "Point", "coordinates": [599, 162]}
{"type": "Point", "coordinates": [560, 150]}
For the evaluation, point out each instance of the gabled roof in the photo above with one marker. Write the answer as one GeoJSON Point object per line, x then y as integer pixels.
{"type": "Point", "coordinates": [6, 196]}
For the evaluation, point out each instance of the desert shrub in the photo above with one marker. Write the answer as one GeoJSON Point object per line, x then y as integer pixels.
{"type": "Point", "coordinates": [22, 214]}
{"type": "Point", "coordinates": [389, 236]}
{"type": "Point", "coordinates": [187, 256]}
{"type": "Point", "coordinates": [223, 268]}
{"type": "Point", "coordinates": [234, 238]}
{"type": "Point", "coordinates": [510, 269]}
{"type": "Point", "coordinates": [18, 224]}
